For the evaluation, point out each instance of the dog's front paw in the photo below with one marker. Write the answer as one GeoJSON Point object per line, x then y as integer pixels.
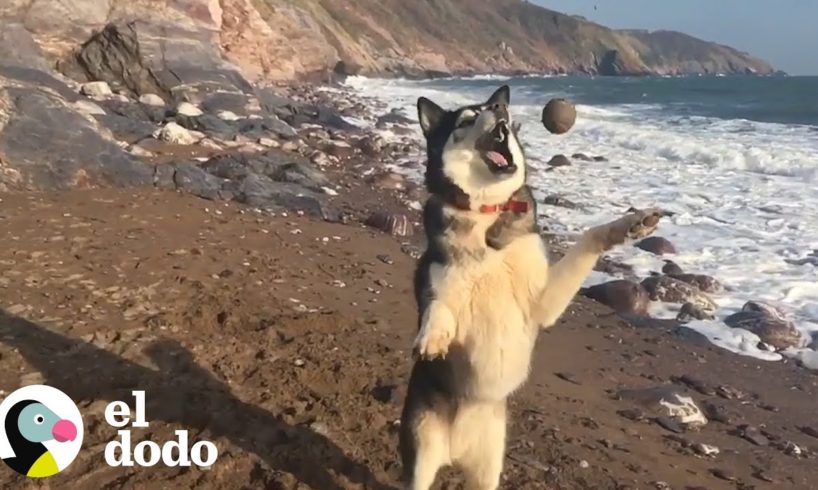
{"type": "Point", "coordinates": [633, 226]}
{"type": "Point", "coordinates": [433, 343]}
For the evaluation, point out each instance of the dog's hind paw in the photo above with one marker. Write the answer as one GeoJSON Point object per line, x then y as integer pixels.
{"type": "Point", "coordinates": [633, 226]}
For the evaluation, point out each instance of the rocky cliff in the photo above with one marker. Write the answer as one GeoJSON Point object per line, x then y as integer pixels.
{"type": "Point", "coordinates": [287, 39]}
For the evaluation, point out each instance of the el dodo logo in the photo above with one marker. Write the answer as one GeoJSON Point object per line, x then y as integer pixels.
{"type": "Point", "coordinates": [41, 431]}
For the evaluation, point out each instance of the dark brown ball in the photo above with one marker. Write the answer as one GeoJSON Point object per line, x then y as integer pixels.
{"type": "Point", "coordinates": [558, 116]}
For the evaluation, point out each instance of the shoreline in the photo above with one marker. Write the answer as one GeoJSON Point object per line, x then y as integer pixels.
{"type": "Point", "coordinates": [283, 336]}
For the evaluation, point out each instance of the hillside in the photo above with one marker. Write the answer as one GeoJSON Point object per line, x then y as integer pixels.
{"type": "Point", "coordinates": [287, 39]}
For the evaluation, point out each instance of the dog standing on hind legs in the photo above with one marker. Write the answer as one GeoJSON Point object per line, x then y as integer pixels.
{"type": "Point", "coordinates": [484, 288]}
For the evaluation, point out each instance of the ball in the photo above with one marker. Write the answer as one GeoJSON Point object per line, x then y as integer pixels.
{"type": "Point", "coordinates": [558, 116]}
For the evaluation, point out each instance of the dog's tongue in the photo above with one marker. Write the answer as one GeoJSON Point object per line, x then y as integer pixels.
{"type": "Point", "coordinates": [497, 159]}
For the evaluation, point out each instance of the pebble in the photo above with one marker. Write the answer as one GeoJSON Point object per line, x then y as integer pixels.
{"type": "Point", "coordinates": [584, 464]}
{"type": "Point", "coordinates": [569, 377]}
{"type": "Point", "coordinates": [753, 435]}
{"type": "Point", "coordinates": [706, 449]}
{"type": "Point", "coordinates": [670, 424]}
{"type": "Point", "coordinates": [723, 474]}
{"type": "Point", "coordinates": [299, 362]}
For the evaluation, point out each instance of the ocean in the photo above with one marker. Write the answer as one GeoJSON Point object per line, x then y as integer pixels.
{"type": "Point", "coordinates": [735, 158]}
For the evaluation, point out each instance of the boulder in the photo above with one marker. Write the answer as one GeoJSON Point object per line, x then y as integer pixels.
{"type": "Point", "coordinates": [113, 55]}
{"type": "Point", "coordinates": [559, 116]}
{"type": "Point", "coordinates": [188, 177]}
{"type": "Point", "coordinates": [559, 161]}
{"type": "Point", "coordinates": [97, 90]}
{"type": "Point", "coordinates": [395, 116]}
{"type": "Point", "coordinates": [187, 109]}
{"type": "Point", "coordinates": [768, 322]}
{"type": "Point", "coordinates": [175, 134]}
{"type": "Point", "coordinates": [705, 283]}
{"type": "Point", "coordinates": [151, 100]}
{"type": "Point", "coordinates": [393, 223]}
{"type": "Point", "coordinates": [622, 296]}
{"type": "Point", "coordinates": [656, 245]}
{"type": "Point", "coordinates": [559, 201]}
{"type": "Point", "coordinates": [69, 151]}
{"type": "Point", "coordinates": [260, 127]}
{"type": "Point", "coordinates": [672, 268]}
{"type": "Point", "coordinates": [669, 290]}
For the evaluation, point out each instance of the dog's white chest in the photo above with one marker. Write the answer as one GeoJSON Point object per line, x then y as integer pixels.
{"type": "Point", "coordinates": [495, 328]}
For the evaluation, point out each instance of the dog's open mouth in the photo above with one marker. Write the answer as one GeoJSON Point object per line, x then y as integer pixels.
{"type": "Point", "coordinates": [493, 147]}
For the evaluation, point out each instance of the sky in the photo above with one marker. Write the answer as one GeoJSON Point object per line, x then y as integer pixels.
{"type": "Point", "coordinates": [783, 32]}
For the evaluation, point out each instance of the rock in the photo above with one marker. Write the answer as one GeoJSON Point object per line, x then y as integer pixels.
{"type": "Point", "coordinates": [269, 143]}
{"type": "Point", "coordinates": [559, 161]}
{"type": "Point", "coordinates": [696, 384]}
{"type": "Point", "coordinates": [670, 290]}
{"type": "Point", "coordinates": [389, 180]}
{"type": "Point", "coordinates": [338, 149]}
{"type": "Point", "coordinates": [126, 129]}
{"type": "Point", "coordinates": [558, 116]}
{"type": "Point", "coordinates": [175, 62]}
{"type": "Point", "coordinates": [716, 412]}
{"type": "Point", "coordinates": [175, 134]}
{"type": "Point", "coordinates": [151, 100]}
{"type": "Point", "coordinates": [301, 173]}
{"type": "Point", "coordinates": [569, 377]}
{"type": "Point", "coordinates": [256, 128]}
{"type": "Point", "coordinates": [395, 116]}
{"type": "Point", "coordinates": [188, 177]}
{"type": "Point", "coordinates": [723, 474]}
{"type": "Point", "coordinates": [69, 150]}
{"type": "Point", "coordinates": [810, 431]}
{"type": "Point", "coordinates": [555, 200]}
{"type": "Point", "coordinates": [135, 112]}
{"type": "Point", "coordinates": [233, 102]}
{"type": "Point", "coordinates": [208, 124]}
{"type": "Point", "coordinates": [188, 109]}
{"type": "Point", "coordinates": [394, 224]}
{"type": "Point", "coordinates": [656, 245]}
{"type": "Point", "coordinates": [582, 157]}
{"type": "Point", "coordinates": [96, 90]}
{"type": "Point", "coordinates": [766, 321]}
{"type": "Point", "coordinates": [18, 48]}
{"type": "Point", "coordinates": [690, 311]}
{"type": "Point", "coordinates": [113, 55]}
{"type": "Point", "coordinates": [706, 449]}
{"type": "Point", "coordinates": [371, 145]}
{"type": "Point", "coordinates": [263, 192]}
{"type": "Point", "coordinates": [753, 435]}
{"type": "Point", "coordinates": [671, 268]}
{"type": "Point", "coordinates": [384, 393]}
{"type": "Point", "coordinates": [665, 402]}
{"type": "Point", "coordinates": [88, 108]}
{"type": "Point", "coordinates": [707, 284]}
{"type": "Point", "coordinates": [622, 296]}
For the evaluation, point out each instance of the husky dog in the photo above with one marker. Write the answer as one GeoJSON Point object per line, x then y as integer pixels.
{"type": "Point", "coordinates": [483, 288]}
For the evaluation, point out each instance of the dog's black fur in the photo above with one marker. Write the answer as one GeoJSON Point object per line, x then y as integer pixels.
{"type": "Point", "coordinates": [431, 381]}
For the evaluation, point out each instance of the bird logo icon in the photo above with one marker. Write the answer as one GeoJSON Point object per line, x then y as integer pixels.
{"type": "Point", "coordinates": [41, 431]}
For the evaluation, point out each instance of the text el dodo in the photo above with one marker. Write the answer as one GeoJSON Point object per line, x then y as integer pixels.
{"type": "Point", "coordinates": [148, 453]}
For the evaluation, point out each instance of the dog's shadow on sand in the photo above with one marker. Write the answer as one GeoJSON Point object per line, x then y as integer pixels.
{"type": "Point", "coordinates": [181, 392]}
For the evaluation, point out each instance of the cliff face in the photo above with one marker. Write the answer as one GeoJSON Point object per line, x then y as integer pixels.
{"type": "Point", "coordinates": [286, 39]}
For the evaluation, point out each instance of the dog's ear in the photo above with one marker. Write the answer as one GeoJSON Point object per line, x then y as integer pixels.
{"type": "Point", "coordinates": [501, 96]}
{"type": "Point", "coordinates": [429, 115]}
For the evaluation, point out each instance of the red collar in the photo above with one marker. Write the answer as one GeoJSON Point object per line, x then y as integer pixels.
{"type": "Point", "coordinates": [510, 205]}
